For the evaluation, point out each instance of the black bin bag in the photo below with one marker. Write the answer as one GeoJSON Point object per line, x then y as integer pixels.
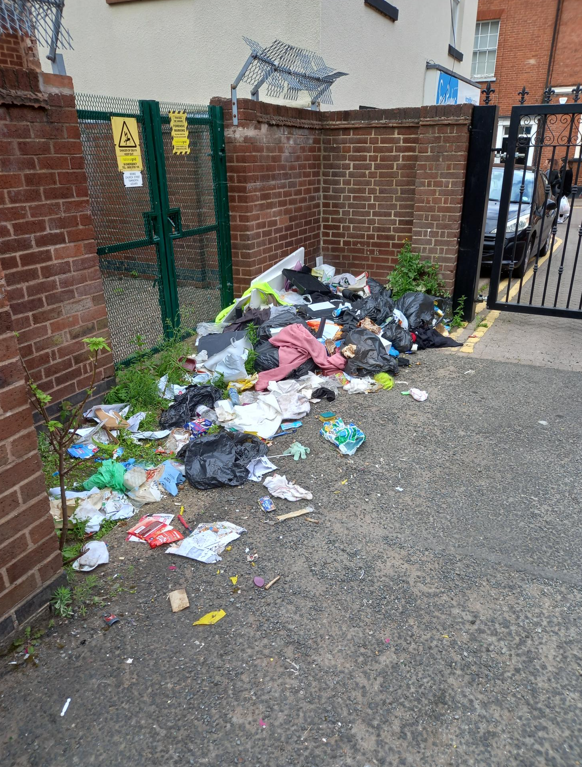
{"type": "Point", "coordinates": [400, 338]}
{"type": "Point", "coordinates": [418, 308]}
{"type": "Point", "coordinates": [378, 306]}
{"type": "Point", "coordinates": [216, 460]}
{"type": "Point", "coordinates": [183, 409]}
{"type": "Point", "coordinates": [371, 356]}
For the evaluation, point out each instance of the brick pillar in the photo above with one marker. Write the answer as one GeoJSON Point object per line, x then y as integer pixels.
{"type": "Point", "coordinates": [47, 246]}
{"type": "Point", "coordinates": [29, 555]}
{"type": "Point", "coordinates": [443, 143]}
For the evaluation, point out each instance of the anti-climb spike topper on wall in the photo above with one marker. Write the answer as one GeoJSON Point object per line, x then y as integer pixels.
{"type": "Point", "coordinates": [39, 19]}
{"type": "Point", "coordinates": [285, 70]}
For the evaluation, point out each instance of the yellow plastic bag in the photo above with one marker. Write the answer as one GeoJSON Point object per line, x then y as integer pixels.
{"type": "Point", "coordinates": [210, 618]}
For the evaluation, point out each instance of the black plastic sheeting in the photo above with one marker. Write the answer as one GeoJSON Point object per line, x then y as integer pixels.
{"type": "Point", "coordinates": [215, 460]}
{"type": "Point", "coordinates": [400, 338]}
{"type": "Point", "coordinates": [184, 406]}
{"type": "Point", "coordinates": [268, 359]}
{"type": "Point", "coordinates": [371, 356]}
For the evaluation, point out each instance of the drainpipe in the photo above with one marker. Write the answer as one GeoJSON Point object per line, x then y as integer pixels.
{"type": "Point", "coordinates": [553, 46]}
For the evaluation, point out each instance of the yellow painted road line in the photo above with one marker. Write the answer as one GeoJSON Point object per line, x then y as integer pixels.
{"type": "Point", "coordinates": [469, 345]}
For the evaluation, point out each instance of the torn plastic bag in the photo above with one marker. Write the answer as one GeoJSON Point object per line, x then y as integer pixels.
{"type": "Point", "coordinates": [418, 309]}
{"type": "Point", "coordinates": [94, 553]}
{"type": "Point", "coordinates": [215, 460]}
{"type": "Point", "coordinates": [401, 339]}
{"type": "Point", "coordinates": [110, 474]}
{"type": "Point", "coordinates": [370, 357]}
{"type": "Point", "coordinates": [184, 407]}
{"type": "Point", "coordinates": [230, 362]}
{"type": "Point", "coordinates": [268, 359]}
{"type": "Point", "coordinates": [378, 306]}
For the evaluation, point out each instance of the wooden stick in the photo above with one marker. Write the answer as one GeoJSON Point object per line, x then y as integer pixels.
{"type": "Point", "coordinates": [291, 514]}
{"type": "Point", "coordinates": [268, 586]}
{"type": "Point", "coordinates": [315, 521]}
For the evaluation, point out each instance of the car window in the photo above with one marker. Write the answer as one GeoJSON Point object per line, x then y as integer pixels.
{"type": "Point", "coordinates": [497, 183]}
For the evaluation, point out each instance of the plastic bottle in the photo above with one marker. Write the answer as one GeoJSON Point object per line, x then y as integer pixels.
{"type": "Point", "coordinates": [233, 395]}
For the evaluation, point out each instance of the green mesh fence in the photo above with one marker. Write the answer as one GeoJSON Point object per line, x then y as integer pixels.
{"type": "Point", "coordinates": [163, 247]}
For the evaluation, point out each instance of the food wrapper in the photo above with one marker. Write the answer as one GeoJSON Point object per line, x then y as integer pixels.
{"type": "Point", "coordinates": [346, 437]}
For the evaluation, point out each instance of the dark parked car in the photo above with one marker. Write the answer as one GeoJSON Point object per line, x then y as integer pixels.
{"type": "Point", "coordinates": [518, 250]}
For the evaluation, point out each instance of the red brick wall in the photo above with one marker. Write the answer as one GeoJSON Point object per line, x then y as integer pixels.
{"type": "Point", "coordinates": [29, 556]}
{"type": "Point", "coordinates": [47, 246]}
{"type": "Point", "coordinates": [11, 51]}
{"type": "Point", "coordinates": [567, 65]}
{"type": "Point", "coordinates": [274, 178]}
{"type": "Point", "coordinates": [525, 38]}
{"type": "Point", "coordinates": [350, 186]}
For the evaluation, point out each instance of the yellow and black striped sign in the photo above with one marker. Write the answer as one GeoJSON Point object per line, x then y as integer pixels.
{"type": "Point", "coordinates": [180, 138]}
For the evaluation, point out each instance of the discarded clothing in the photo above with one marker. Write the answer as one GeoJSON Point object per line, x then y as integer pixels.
{"type": "Point", "coordinates": [215, 460]}
{"type": "Point", "coordinates": [279, 486]}
{"type": "Point", "coordinates": [207, 542]}
{"type": "Point", "coordinates": [268, 359]}
{"type": "Point", "coordinates": [323, 393]}
{"type": "Point", "coordinates": [184, 407]}
{"type": "Point", "coordinates": [256, 316]}
{"type": "Point", "coordinates": [430, 338]}
{"type": "Point", "coordinates": [296, 345]}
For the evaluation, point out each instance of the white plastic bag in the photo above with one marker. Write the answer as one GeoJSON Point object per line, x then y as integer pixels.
{"type": "Point", "coordinates": [230, 361]}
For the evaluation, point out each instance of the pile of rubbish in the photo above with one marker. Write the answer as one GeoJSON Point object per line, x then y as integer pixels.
{"type": "Point", "coordinates": [297, 336]}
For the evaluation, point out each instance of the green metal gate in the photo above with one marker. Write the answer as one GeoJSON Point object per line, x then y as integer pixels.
{"type": "Point", "coordinates": [164, 247]}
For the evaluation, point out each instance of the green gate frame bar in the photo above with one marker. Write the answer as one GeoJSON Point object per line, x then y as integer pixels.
{"type": "Point", "coordinates": [218, 152]}
{"type": "Point", "coordinates": [156, 163]}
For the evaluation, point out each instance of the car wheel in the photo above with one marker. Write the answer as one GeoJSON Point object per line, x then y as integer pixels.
{"type": "Point", "coordinates": [522, 268]}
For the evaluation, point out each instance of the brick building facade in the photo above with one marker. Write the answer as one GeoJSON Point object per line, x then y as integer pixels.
{"type": "Point", "coordinates": [538, 45]}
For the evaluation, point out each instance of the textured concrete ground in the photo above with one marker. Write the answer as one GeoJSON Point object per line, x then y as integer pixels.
{"type": "Point", "coordinates": [431, 618]}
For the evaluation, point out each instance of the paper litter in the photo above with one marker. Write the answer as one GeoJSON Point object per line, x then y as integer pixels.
{"type": "Point", "coordinates": [258, 467]}
{"type": "Point", "coordinates": [279, 486]}
{"type": "Point", "coordinates": [207, 542]}
{"type": "Point", "coordinates": [95, 553]}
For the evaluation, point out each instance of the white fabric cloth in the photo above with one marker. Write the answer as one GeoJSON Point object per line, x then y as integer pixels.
{"type": "Point", "coordinates": [279, 486]}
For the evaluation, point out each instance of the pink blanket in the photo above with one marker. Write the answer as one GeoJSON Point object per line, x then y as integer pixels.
{"type": "Point", "coordinates": [296, 345]}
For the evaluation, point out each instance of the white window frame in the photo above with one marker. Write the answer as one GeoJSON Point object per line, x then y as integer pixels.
{"type": "Point", "coordinates": [489, 50]}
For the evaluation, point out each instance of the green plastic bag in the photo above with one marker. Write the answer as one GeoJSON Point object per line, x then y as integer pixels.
{"type": "Point", "coordinates": [109, 475]}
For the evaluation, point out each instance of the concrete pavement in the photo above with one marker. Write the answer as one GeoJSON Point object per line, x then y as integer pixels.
{"type": "Point", "coordinates": [431, 618]}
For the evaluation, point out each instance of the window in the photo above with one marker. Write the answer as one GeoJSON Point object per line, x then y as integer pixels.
{"type": "Point", "coordinates": [485, 49]}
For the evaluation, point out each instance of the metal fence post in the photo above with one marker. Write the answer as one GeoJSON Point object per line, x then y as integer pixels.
{"type": "Point", "coordinates": [477, 179]}
{"type": "Point", "coordinates": [159, 189]}
{"type": "Point", "coordinates": [221, 202]}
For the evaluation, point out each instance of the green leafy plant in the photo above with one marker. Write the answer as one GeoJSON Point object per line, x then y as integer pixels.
{"type": "Point", "coordinates": [62, 602]}
{"type": "Point", "coordinates": [412, 274]}
{"type": "Point", "coordinates": [458, 321]}
{"type": "Point", "coordinates": [61, 433]}
{"type": "Point", "coordinates": [220, 383]}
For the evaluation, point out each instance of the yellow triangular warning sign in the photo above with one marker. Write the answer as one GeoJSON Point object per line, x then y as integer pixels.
{"type": "Point", "coordinates": [126, 140]}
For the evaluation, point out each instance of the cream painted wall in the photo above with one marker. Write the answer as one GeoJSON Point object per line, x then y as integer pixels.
{"type": "Point", "coordinates": [387, 60]}
{"type": "Point", "coordinates": [191, 50]}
